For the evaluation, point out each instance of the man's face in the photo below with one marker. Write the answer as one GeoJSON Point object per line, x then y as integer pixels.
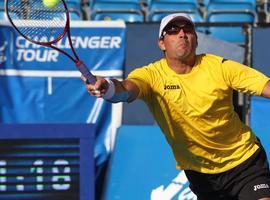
{"type": "Point", "coordinates": [179, 40]}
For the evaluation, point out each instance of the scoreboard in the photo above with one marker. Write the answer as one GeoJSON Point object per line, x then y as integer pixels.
{"type": "Point", "coordinates": [46, 162]}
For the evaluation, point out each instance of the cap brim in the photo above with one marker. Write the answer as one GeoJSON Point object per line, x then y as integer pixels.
{"type": "Point", "coordinates": [180, 18]}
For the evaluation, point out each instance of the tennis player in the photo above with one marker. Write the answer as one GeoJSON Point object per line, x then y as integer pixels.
{"type": "Point", "coordinates": [190, 97]}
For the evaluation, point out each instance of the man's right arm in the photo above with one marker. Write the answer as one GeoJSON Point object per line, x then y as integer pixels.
{"type": "Point", "coordinates": [125, 91]}
{"type": "Point", "coordinates": [266, 90]}
{"type": "Point", "coordinates": [113, 90]}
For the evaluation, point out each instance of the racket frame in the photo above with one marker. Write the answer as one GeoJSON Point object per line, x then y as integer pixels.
{"type": "Point", "coordinates": [79, 64]}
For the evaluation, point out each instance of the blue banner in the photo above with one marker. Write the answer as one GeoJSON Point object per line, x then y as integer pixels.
{"type": "Point", "coordinates": [99, 44]}
{"type": "Point", "coordinates": [259, 106]}
{"type": "Point", "coordinates": [143, 167]}
{"type": "Point", "coordinates": [41, 85]}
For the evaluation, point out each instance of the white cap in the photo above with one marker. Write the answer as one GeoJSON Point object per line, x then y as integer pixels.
{"type": "Point", "coordinates": [166, 20]}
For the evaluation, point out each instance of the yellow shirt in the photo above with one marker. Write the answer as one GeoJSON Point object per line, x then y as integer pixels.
{"type": "Point", "coordinates": [195, 110]}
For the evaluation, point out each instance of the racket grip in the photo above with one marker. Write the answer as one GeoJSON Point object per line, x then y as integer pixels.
{"type": "Point", "coordinates": [86, 73]}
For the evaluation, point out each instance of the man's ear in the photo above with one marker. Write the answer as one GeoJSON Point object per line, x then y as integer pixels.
{"type": "Point", "coordinates": [161, 45]}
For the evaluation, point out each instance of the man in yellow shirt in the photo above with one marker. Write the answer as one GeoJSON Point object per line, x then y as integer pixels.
{"type": "Point", "coordinates": [190, 97]}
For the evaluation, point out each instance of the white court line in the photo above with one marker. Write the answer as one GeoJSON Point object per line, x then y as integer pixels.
{"type": "Point", "coordinates": [95, 111]}
{"type": "Point", "coordinates": [58, 73]}
{"type": "Point", "coordinates": [49, 85]}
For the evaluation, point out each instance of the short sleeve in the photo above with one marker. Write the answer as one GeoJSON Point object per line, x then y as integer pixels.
{"type": "Point", "coordinates": [243, 78]}
{"type": "Point", "coordinates": [141, 78]}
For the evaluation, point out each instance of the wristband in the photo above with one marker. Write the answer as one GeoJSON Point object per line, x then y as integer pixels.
{"type": "Point", "coordinates": [110, 91]}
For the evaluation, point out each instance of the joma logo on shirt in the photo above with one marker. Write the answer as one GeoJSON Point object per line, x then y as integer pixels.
{"type": "Point", "coordinates": [171, 87]}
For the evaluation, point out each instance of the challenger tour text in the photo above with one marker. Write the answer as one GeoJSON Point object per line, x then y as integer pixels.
{"type": "Point", "coordinates": [28, 51]}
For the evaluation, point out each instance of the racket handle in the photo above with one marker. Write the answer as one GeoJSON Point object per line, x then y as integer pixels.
{"type": "Point", "coordinates": [86, 73]}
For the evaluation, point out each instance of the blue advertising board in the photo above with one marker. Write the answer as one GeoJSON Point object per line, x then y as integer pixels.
{"type": "Point", "coordinates": [260, 49]}
{"type": "Point", "coordinates": [143, 167]}
{"type": "Point", "coordinates": [98, 44]}
{"type": "Point", "coordinates": [259, 120]}
{"type": "Point", "coordinates": [41, 85]}
{"type": "Point", "coordinates": [259, 106]}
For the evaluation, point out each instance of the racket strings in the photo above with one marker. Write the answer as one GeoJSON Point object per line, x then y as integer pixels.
{"type": "Point", "coordinates": [37, 22]}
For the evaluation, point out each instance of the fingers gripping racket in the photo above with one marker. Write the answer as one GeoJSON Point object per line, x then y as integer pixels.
{"type": "Point", "coordinates": [45, 26]}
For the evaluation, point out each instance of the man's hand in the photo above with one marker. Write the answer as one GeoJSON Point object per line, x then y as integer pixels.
{"type": "Point", "coordinates": [112, 90]}
{"type": "Point", "coordinates": [98, 89]}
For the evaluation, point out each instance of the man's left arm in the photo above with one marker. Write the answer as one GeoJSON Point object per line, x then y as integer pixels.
{"type": "Point", "coordinates": [266, 90]}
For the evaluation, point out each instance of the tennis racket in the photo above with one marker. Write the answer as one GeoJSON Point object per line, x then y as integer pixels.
{"type": "Point", "coordinates": [45, 26]}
